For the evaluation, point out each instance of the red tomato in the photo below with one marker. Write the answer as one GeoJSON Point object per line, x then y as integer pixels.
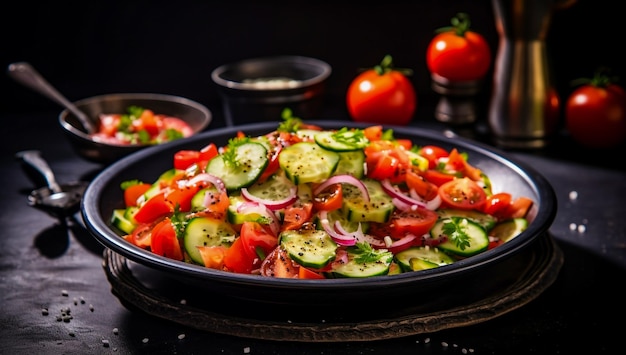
{"type": "Point", "coordinates": [437, 177]}
{"type": "Point", "coordinates": [279, 264]}
{"type": "Point", "coordinates": [177, 124]}
{"type": "Point", "coordinates": [141, 236]}
{"type": "Point", "coordinates": [458, 54]}
{"type": "Point", "coordinates": [382, 95]}
{"type": "Point", "coordinates": [400, 224]}
{"type": "Point", "coordinates": [164, 241]}
{"type": "Point", "coordinates": [237, 259]}
{"type": "Point", "coordinates": [424, 188]}
{"type": "Point", "coordinates": [132, 193]}
{"type": "Point", "coordinates": [462, 193]}
{"type": "Point", "coordinates": [304, 273]}
{"type": "Point", "coordinates": [254, 236]}
{"type": "Point", "coordinates": [497, 202]}
{"type": "Point", "coordinates": [596, 113]}
{"type": "Point", "coordinates": [330, 199]}
{"type": "Point", "coordinates": [296, 215]}
{"type": "Point", "coordinates": [213, 256]}
{"type": "Point", "coordinates": [433, 153]}
{"type": "Point", "coordinates": [153, 209]}
{"type": "Point", "coordinates": [181, 197]}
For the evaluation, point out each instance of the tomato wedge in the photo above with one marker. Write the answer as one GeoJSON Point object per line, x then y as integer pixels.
{"type": "Point", "coordinates": [279, 264]}
{"type": "Point", "coordinates": [237, 258]}
{"type": "Point", "coordinates": [433, 153]}
{"type": "Point", "coordinates": [463, 193]}
{"type": "Point", "coordinates": [133, 192]}
{"type": "Point", "coordinates": [297, 215]}
{"type": "Point", "coordinates": [497, 203]}
{"type": "Point", "coordinates": [153, 209]}
{"type": "Point", "coordinates": [330, 199]}
{"type": "Point", "coordinates": [254, 236]}
{"type": "Point", "coordinates": [426, 189]}
{"type": "Point", "coordinates": [164, 241]}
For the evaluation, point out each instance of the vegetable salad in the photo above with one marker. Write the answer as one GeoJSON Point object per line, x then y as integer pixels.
{"type": "Point", "coordinates": [305, 202]}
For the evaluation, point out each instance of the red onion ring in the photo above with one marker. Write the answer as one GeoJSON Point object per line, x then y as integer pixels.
{"type": "Point", "coordinates": [206, 177]}
{"type": "Point", "coordinates": [394, 193]}
{"type": "Point", "coordinates": [253, 207]}
{"type": "Point", "coordinates": [271, 204]}
{"type": "Point", "coordinates": [338, 237]}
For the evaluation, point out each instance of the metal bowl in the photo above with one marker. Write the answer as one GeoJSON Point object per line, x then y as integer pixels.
{"type": "Point", "coordinates": [465, 280]}
{"type": "Point", "coordinates": [258, 89]}
{"type": "Point", "coordinates": [195, 114]}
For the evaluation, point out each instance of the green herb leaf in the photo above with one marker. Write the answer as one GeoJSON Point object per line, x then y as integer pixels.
{"type": "Point", "coordinates": [290, 123]}
{"type": "Point", "coordinates": [455, 229]}
{"type": "Point", "coordinates": [229, 155]}
{"type": "Point", "coordinates": [366, 254]}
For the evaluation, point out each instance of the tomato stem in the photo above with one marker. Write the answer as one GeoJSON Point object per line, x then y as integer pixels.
{"type": "Point", "coordinates": [386, 66]}
{"type": "Point", "coordinates": [460, 25]}
{"type": "Point", "coordinates": [600, 78]}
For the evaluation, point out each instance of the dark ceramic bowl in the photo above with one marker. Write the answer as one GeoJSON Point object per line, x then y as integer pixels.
{"type": "Point", "coordinates": [257, 90]}
{"type": "Point", "coordinates": [195, 114]}
{"type": "Point", "coordinates": [459, 283]}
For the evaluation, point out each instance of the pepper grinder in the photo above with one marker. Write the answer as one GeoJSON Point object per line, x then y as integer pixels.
{"type": "Point", "coordinates": [524, 106]}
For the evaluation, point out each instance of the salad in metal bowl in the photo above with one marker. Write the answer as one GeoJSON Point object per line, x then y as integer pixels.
{"type": "Point", "coordinates": [312, 203]}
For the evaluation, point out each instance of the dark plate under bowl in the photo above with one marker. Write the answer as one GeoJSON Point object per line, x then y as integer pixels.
{"type": "Point", "coordinates": [462, 281]}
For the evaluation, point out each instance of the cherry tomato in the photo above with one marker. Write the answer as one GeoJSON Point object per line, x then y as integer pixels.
{"type": "Point", "coordinates": [596, 112]}
{"type": "Point", "coordinates": [457, 53]}
{"type": "Point", "coordinates": [462, 193]}
{"type": "Point", "coordinates": [382, 95]}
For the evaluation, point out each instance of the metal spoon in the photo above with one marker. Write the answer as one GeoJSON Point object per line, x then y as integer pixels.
{"type": "Point", "coordinates": [26, 75]}
{"type": "Point", "coordinates": [59, 201]}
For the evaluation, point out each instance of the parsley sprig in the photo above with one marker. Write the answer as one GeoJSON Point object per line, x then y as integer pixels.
{"type": "Point", "coordinates": [366, 254]}
{"type": "Point", "coordinates": [455, 228]}
{"type": "Point", "coordinates": [290, 123]}
{"type": "Point", "coordinates": [230, 153]}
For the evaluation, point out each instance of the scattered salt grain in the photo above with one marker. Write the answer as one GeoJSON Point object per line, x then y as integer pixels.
{"type": "Point", "coordinates": [573, 195]}
{"type": "Point", "coordinates": [145, 340]}
{"type": "Point", "coordinates": [181, 336]}
{"type": "Point", "coordinates": [75, 301]}
{"type": "Point", "coordinates": [246, 350]}
{"type": "Point", "coordinates": [82, 300]}
{"type": "Point", "coordinates": [582, 228]}
{"type": "Point", "coordinates": [464, 351]}
{"type": "Point", "coordinates": [572, 226]}
{"type": "Point", "coordinates": [72, 334]}
{"type": "Point", "coordinates": [444, 344]}
{"type": "Point", "coordinates": [115, 331]}
{"type": "Point", "coordinates": [64, 293]}
{"type": "Point", "coordinates": [91, 307]}
{"type": "Point", "coordinates": [105, 343]}
{"type": "Point", "coordinates": [427, 340]}
{"type": "Point", "coordinates": [44, 311]}
{"type": "Point", "coordinates": [183, 301]}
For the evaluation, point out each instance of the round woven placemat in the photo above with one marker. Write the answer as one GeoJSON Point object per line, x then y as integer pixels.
{"type": "Point", "coordinates": [169, 302]}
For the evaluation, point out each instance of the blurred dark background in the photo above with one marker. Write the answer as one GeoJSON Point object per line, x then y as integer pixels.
{"type": "Point", "coordinates": [88, 48]}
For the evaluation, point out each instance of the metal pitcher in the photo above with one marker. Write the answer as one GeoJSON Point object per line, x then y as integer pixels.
{"type": "Point", "coordinates": [524, 106]}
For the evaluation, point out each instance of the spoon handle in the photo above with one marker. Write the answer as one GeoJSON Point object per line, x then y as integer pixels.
{"type": "Point", "coordinates": [34, 159]}
{"type": "Point", "coordinates": [25, 74]}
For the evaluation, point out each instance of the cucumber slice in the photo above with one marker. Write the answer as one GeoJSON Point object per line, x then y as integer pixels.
{"type": "Point", "coordinates": [275, 188]}
{"type": "Point", "coordinates": [119, 221]}
{"type": "Point", "coordinates": [309, 247]}
{"type": "Point", "coordinates": [130, 212]}
{"type": "Point", "coordinates": [250, 159]}
{"type": "Point", "coordinates": [464, 227]}
{"type": "Point", "coordinates": [378, 209]}
{"type": "Point", "coordinates": [343, 140]}
{"type": "Point", "coordinates": [236, 217]}
{"type": "Point", "coordinates": [306, 162]}
{"type": "Point", "coordinates": [197, 201]}
{"type": "Point", "coordinates": [509, 229]}
{"type": "Point", "coordinates": [205, 231]}
{"type": "Point", "coordinates": [487, 221]}
{"type": "Point", "coordinates": [352, 163]}
{"type": "Point", "coordinates": [307, 134]}
{"type": "Point", "coordinates": [421, 258]}
{"type": "Point", "coordinates": [355, 268]}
